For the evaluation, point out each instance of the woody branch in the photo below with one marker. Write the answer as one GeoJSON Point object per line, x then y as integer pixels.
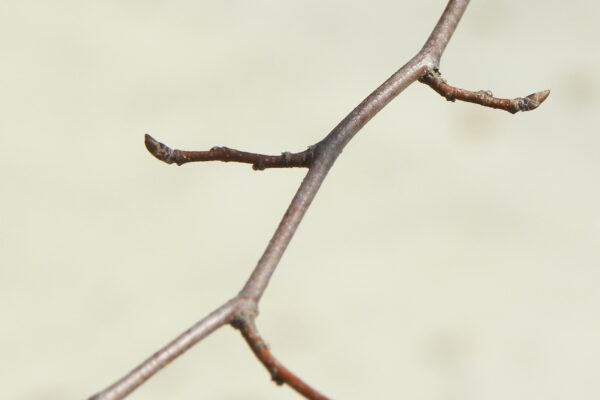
{"type": "Point", "coordinates": [242, 309]}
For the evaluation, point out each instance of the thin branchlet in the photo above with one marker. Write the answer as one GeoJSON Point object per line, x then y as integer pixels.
{"type": "Point", "coordinates": [485, 98]}
{"type": "Point", "coordinates": [244, 322]}
{"type": "Point", "coordinates": [219, 153]}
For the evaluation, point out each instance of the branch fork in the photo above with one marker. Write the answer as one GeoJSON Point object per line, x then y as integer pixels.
{"type": "Point", "coordinates": [241, 311]}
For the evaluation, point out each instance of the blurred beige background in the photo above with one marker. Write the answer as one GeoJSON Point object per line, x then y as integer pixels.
{"type": "Point", "coordinates": [453, 252]}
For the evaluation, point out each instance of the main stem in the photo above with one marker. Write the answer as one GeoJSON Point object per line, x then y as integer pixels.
{"type": "Point", "coordinates": [327, 151]}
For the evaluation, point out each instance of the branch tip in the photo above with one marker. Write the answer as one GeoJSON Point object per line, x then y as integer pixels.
{"type": "Point", "coordinates": [534, 100]}
{"type": "Point", "coordinates": [159, 150]}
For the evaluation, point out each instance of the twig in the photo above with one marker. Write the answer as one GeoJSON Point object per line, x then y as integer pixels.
{"type": "Point", "coordinates": [225, 154]}
{"type": "Point", "coordinates": [434, 79]}
{"type": "Point", "coordinates": [319, 159]}
{"type": "Point", "coordinates": [279, 373]}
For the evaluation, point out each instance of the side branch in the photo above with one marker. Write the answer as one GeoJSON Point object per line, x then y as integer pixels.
{"type": "Point", "coordinates": [279, 373]}
{"type": "Point", "coordinates": [434, 79]}
{"type": "Point", "coordinates": [225, 154]}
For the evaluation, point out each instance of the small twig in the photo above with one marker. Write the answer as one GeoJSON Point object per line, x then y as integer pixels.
{"type": "Point", "coordinates": [434, 79]}
{"type": "Point", "coordinates": [225, 154]}
{"type": "Point", "coordinates": [279, 373]}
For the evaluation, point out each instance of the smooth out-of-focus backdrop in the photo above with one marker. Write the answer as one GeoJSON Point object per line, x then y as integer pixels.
{"type": "Point", "coordinates": [452, 253]}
